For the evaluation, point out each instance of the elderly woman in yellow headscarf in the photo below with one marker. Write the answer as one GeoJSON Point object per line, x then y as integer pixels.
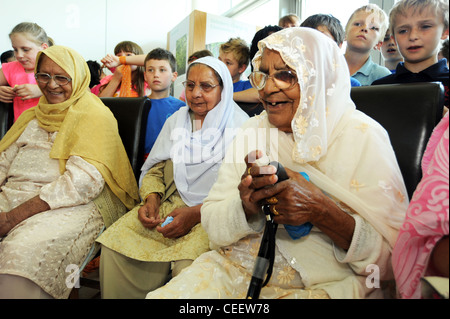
{"type": "Point", "coordinates": [64, 176]}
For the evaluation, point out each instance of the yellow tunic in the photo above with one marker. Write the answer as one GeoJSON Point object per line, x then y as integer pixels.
{"type": "Point", "coordinates": [130, 238]}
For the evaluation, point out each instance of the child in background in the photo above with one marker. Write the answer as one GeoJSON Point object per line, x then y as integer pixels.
{"type": "Point", "coordinates": [127, 80]}
{"type": "Point", "coordinates": [235, 53]}
{"type": "Point", "coordinates": [97, 74]}
{"type": "Point", "coordinates": [199, 54]}
{"type": "Point", "coordinates": [251, 95]}
{"type": "Point", "coordinates": [17, 82]}
{"type": "Point", "coordinates": [289, 21]}
{"type": "Point", "coordinates": [259, 35]}
{"type": "Point", "coordinates": [418, 27]}
{"type": "Point", "coordinates": [160, 73]}
{"type": "Point", "coordinates": [443, 52]}
{"type": "Point", "coordinates": [390, 52]}
{"type": "Point", "coordinates": [332, 28]}
{"type": "Point", "coordinates": [8, 56]}
{"type": "Point", "coordinates": [364, 32]}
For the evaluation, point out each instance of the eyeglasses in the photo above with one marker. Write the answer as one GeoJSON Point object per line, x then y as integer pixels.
{"type": "Point", "coordinates": [205, 87]}
{"type": "Point", "coordinates": [284, 79]}
{"type": "Point", "coordinates": [45, 78]}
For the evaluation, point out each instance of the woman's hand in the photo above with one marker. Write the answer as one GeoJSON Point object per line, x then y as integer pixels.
{"type": "Point", "coordinates": [184, 219]}
{"type": "Point", "coordinates": [254, 178]}
{"type": "Point", "coordinates": [296, 201]}
{"type": "Point", "coordinates": [5, 224]}
{"type": "Point", "coordinates": [148, 214]}
{"type": "Point", "coordinates": [20, 213]}
{"type": "Point", "coordinates": [27, 91]}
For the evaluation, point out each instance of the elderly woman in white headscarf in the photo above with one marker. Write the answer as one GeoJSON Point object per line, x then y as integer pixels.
{"type": "Point", "coordinates": [138, 250]}
{"type": "Point", "coordinates": [354, 202]}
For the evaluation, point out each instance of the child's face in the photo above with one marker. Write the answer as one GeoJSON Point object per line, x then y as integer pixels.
{"type": "Point", "coordinates": [158, 75]}
{"type": "Point", "coordinates": [26, 50]}
{"type": "Point", "coordinates": [232, 65]}
{"type": "Point", "coordinates": [363, 33]}
{"type": "Point", "coordinates": [418, 35]}
{"type": "Point", "coordinates": [389, 49]}
{"type": "Point", "coordinates": [127, 53]}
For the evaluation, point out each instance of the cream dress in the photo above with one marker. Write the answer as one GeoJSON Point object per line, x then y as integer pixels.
{"type": "Point", "coordinates": [42, 248]}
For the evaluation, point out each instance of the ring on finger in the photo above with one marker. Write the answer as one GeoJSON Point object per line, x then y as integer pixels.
{"type": "Point", "coordinates": [275, 212]}
{"type": "Point", "coordinates": [272, 200]}
{"type": "Point", "coordinates": [248, 171]}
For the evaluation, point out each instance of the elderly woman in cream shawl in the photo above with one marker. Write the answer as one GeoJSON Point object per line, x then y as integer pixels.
{"type": "Point", "coordinates": [355, 200]}
{"type": "Point", "coordinates": [65, 175]}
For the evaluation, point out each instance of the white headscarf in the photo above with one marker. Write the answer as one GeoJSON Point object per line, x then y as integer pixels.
{"type": "Point", "coordinates": [198, 155]}
{"type": "Point", "coordinates": [324, 99]}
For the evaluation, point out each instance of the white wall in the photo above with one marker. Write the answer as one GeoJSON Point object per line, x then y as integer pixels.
{"type": "Point", "coordinates": [94, 27]}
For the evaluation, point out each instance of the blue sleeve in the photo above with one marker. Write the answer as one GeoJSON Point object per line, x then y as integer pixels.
{"type": "Point", "coordinates": [160, 111]}
{"type": "Point", "coordinates": [241, 86]}
{"type": "Point", "coordinates": [354, 82]}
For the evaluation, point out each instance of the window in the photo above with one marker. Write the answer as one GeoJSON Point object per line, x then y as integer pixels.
{"type": "Point", "coordinates": [264, 14]}
{"type": "Point", "coordinates": [337, 9]}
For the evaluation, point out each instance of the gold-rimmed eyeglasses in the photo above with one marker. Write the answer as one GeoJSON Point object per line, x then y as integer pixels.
{"type": "Point", "coordinates": [45, 78]}
{"type": "Point", "coordinates": [205, 87]}
{"type": "Point", "coordinates": [284, 79]}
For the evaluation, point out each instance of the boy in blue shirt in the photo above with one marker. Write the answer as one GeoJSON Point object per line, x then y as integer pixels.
{"type": "Point", "coordinates": [160, 73]}
{"type": "Point", "coordinates": [418, 28]}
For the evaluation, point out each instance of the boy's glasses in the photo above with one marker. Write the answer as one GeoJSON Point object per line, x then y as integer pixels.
{"type": "Point", "coordinates": [45, 78]}
{"type": "Point", "coordinates": [204, 87]}
{"type": "Point", "coordinates": [284, 80]}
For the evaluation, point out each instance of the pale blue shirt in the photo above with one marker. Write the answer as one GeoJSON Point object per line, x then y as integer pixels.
{"type": "Point", "coordinates": [370, 72]}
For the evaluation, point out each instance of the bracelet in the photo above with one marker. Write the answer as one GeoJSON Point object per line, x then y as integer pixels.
{"type": "Point", "coordinates": [123, 59]}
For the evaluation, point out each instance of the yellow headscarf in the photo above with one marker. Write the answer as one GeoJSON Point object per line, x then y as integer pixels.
{"type": "Point", "coordinates": [86, 127]}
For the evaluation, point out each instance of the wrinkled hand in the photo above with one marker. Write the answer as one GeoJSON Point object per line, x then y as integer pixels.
{"type": "Point", "coordinates": [7, 94]}
{"type": "Point", "coordinates": [299, 201]}
{"type": "Point", "coordinates": [184, 219]}
{"type": "Point", "coordinates": [110, 61]}
{"type": "Point", "coordinates": [148, 214]}
{"type": "Point", "coordinates": [18, 214]}
{"type": "Point", "coordinates": [5, 224]}
{"type": "Point", "coordinates": [254, 178]}
{"type": "Point", "coordinates": [27, 91]}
